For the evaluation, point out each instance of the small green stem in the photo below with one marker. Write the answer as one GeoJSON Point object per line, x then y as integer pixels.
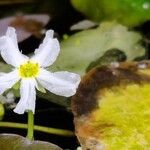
{"type": "Point", "coordinates": [30, 134]}
{"type": "Point", "coordinates": [49, 130]}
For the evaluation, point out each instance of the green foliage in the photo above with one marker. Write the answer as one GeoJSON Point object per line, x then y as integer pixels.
{"type": "Point", "coordinates": [17, 142]}
{"type": "Point", "coordinates": [84, 47]}
{"type": "Point", "coordinates": [127, 12]}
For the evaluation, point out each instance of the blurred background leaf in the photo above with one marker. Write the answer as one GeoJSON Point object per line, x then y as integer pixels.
{"type": "Point", "coordinates": [84, 47]}
{"type": "Point", "coordinates": [127, 12]}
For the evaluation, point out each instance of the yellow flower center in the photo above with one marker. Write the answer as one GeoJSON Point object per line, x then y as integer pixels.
{"type": "Point", "coordinates": [29, 70]}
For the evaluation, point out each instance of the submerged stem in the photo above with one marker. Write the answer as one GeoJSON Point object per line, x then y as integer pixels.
{"type": "Point", "coordinates": [30, 134]}
{"type": "Point", "coordinates": [49, 130]}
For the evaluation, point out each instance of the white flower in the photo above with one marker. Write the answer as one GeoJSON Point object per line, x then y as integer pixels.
{"type": "Point", "coordinates": [30, 72]}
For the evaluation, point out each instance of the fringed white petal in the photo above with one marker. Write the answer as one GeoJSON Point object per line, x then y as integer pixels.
{"type": "Point", "coordinates": [59, 83]}
{"type": "Point", "coordinates": [48, 51]}
{"type": "Point", "coordinates": [27, 96]}
{"type": "Point", "coordinates": [9, 49]}
{"type": "Point", "coordinates": [7, 80]}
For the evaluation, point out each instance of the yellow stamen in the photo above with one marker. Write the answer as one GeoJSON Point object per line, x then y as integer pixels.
{"type": "Point", "coordinates": [29, 70]}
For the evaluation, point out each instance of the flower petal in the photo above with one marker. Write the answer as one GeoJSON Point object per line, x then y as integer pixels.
{"type": "Point", "coordinates": [9, 49]}
{"type": "Point", "coordinates": [59, 83]}
{"type": "Point", "coordinates": [28, 96]}
{"type": "Point", "coordinates": [8, 80]}
{"type": "Point", "coordinates": [11, 34]}
{"type": "Point", "coordinates": [48, 51]}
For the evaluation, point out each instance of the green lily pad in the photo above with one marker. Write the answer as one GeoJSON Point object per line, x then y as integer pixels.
{"type": "Point", "coordinates": [127, 12]}
{"type": "Point", "coordinates": [84, 47]}
{"type": "Point", "coordinates": [17, 142]}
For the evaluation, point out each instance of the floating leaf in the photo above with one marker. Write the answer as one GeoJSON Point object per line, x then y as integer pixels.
{"type": "Point", "coordinates": [17, 142]}
{"type": "Point", "coordinates": [111, 107]}
{"type": "Point", "coordinates": [128, 12]}
{"type": "Point", "coordinates": [84, 47]}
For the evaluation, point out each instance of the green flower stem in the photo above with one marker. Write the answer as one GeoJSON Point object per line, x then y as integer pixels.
{"type": "Point", "coordinates": [55, 131]}
{"type": "Point", "coordinates": [30, 134]}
